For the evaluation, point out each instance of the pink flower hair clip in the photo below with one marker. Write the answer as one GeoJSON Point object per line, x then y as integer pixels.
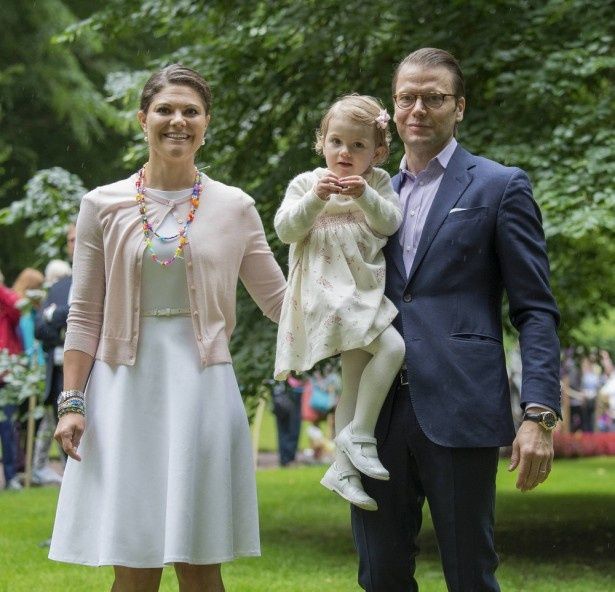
{"type": "Point", "coordinates": [383, 119]}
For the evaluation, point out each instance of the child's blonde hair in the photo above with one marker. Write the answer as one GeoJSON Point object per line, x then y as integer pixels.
{"type": "Point", "coordinates": [361, 109]}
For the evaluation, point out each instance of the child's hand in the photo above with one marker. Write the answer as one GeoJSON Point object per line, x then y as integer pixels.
{"type": "Point", "coordinates": [327, 185]}
{"type": "Point", "coordinates": [353, 186]}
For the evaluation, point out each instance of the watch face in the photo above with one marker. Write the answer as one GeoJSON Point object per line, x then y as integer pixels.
{"type": "Point", "coordinates": [549, 419]}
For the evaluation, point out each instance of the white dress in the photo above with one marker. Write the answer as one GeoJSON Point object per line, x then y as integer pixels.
{"type": "Point", "coordinates": [335, 298]}
{"type": "Point", "coordinates": [167, 473]}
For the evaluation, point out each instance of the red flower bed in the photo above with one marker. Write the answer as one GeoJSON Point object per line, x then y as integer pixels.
{"type": "Point", "coordinates": [583, 444]}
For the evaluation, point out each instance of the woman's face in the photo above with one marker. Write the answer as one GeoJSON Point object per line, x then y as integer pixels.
{"type": "Point", "coordinates": [175, 123]}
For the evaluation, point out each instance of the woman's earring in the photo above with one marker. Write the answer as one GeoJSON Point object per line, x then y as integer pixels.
{"type": "Point", "coordinates": [145, 137]}
{"type": "Point", "coordinates": [203, 141]}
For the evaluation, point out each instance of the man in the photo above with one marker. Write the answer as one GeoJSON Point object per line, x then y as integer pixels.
{"type": "Point", "coordinates": [470, 230]}
{"type": "Point", "coordinates": [50, 329]}
{"type": "Point", "coordinates": [287, 410]}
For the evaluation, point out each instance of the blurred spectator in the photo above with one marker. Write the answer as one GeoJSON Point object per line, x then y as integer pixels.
{"type": "Point", "coordinates": [570, 369]}
{"type": "Point", "coordinates": [9, 340]}
{"type": "Point", "coordinates": [590, 384]}
{"type": "Point", "coordinates": [287, 410]}
{"type": "Point", "coordinates": [56, 270]}
{"type": "Point", "coordinates": [320, 437]}
{"type": "Point", "coordinates": [607, 393]}
{"type": "Point", "coordinates": [50, 330]}
{"type": "Point", "coordinates": [29, 287]}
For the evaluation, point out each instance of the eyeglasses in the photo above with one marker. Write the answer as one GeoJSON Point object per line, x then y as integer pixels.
{"type": "Point", "coordinates": [430, 101]}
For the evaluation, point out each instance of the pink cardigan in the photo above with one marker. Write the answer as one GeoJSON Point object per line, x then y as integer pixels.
{"type": "Point", "coordinates": [226, 242]}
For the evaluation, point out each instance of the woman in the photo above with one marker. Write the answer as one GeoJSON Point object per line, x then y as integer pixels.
{"type": "Point", "coordinates": [163, 473]}
{"type": "Point", "coordinates": [29, 287]}
{"type": "Point", "coordinates": [10, 341]}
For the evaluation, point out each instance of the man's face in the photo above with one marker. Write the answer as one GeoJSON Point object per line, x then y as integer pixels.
{"type": "Point", "coordinates": [422, 130]}
{"type": "Point", "coordinates": [71, 235]}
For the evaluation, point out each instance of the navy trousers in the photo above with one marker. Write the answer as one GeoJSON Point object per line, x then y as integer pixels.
{"type": "Point", "coordinates": [289, 428]}
{"type": "Point", "coordinates": [7, 439]}
{"type": "Point", "coordinates": [459, 485]}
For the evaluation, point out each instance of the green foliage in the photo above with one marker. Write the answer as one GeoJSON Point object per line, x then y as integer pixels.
{"type": "Point", "coordinates": [22, 380]}
{"type": "Point", "coordinates": [46, 101]}
{"type": "Point", "coordinates": [52, 108]}
{"type": "Point", "coordinates": [538, 97]}
{"type": "Point", "coordinates": [592, 334]}
{"type": "Point", "coordinates": [50, 205]}
{"type": "Point", "coordinates": [539, 91]}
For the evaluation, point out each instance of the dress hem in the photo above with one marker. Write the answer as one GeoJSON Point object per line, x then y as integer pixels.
{"type": "Point", "coordinates": [155, 564]}
{"type": "Point", "coordinates": [325, 353]}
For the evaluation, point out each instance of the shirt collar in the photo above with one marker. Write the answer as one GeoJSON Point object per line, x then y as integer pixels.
{"type": "Point", "coordinates": [442, 158]}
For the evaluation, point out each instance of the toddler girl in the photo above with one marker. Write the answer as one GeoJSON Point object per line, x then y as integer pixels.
{"type": "Point", "coordinates": [336, 221]}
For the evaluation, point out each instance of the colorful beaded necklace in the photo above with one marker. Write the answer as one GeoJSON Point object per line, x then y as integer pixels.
{"type": "Point", "coordinates": [148, 230]}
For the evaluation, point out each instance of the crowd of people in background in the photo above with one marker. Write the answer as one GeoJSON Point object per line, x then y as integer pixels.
{"type": "Point", "coordinates": [310, 398]}
{"type": "Point", "coordinates": [587, 375]}
{"type": "Point", "coordinates": [589, 379]}
{"type": "Point", "coordinates": [33, 315]}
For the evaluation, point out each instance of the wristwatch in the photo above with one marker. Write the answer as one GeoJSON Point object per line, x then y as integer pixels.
{"type": "Point", "coordinates": [545, 419]}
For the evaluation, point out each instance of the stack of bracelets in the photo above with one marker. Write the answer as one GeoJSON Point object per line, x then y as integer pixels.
{"type": "Point", "coordinates": [72, 401]}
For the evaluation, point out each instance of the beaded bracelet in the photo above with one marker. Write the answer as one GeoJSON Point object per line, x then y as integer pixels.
{"type": "Point", "coordinates": [80, 409]}
{"type": "Point", "coordinates": [69, 394]}
{"type": "Point", "coordinates": [71, 401]}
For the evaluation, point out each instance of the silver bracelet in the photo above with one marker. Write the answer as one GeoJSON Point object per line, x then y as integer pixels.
{"type": "Point", "coordinates": [70, 394]}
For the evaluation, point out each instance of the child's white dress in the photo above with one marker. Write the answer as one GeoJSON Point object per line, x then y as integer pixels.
{"type": "Point", "coordinates": [335, 298]}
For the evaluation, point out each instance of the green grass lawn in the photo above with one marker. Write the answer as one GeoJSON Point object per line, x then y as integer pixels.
{"type": "Point", "coordinates": [560, 537]}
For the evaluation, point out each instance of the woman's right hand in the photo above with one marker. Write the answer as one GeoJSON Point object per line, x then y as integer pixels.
{"type": "Point", "coordinates": [68, 433]}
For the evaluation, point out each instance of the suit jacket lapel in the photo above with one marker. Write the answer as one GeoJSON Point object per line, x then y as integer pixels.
{"type": "Point", "coordinates": [454, 182]}
{"type": "Point", "coordinates": [392, 249]}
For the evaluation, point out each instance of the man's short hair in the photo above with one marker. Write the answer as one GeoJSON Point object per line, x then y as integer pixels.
{"type": "Point", "coordinates": [434, 58]}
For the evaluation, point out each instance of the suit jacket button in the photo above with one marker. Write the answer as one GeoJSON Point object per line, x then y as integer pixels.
{"type": "Point", "coordinates": [407, 297]}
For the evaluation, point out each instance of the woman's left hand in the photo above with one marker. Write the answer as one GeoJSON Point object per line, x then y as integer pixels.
{"type": "Point", "coordinates": [353, 186]}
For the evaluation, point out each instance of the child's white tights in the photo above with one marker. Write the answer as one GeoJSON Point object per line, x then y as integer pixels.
{"type": "Point", "coordinates": [367, 375]}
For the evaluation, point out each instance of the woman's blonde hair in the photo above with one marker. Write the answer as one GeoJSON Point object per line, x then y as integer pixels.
{"type": "Point", "coordinates": [28, 279]}
{"type": "Point", "coordinates": [361, 109]}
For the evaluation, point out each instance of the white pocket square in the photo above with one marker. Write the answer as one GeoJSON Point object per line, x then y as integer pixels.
{"type": "Point", "coordinates": [457, 210]}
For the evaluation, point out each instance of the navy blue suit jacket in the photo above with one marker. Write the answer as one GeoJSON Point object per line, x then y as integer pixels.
{"type": "Point", "coordinates": [451, 305]}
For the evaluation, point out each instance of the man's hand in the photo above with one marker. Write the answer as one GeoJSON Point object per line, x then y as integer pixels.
{"type": "Point", "coordinates": [532, 452]}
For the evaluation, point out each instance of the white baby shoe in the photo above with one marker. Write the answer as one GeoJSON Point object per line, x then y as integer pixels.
{"type": "Point", "coordinates": [361, 450]}
{"type": "Point", "coordinates": [345, 481]}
